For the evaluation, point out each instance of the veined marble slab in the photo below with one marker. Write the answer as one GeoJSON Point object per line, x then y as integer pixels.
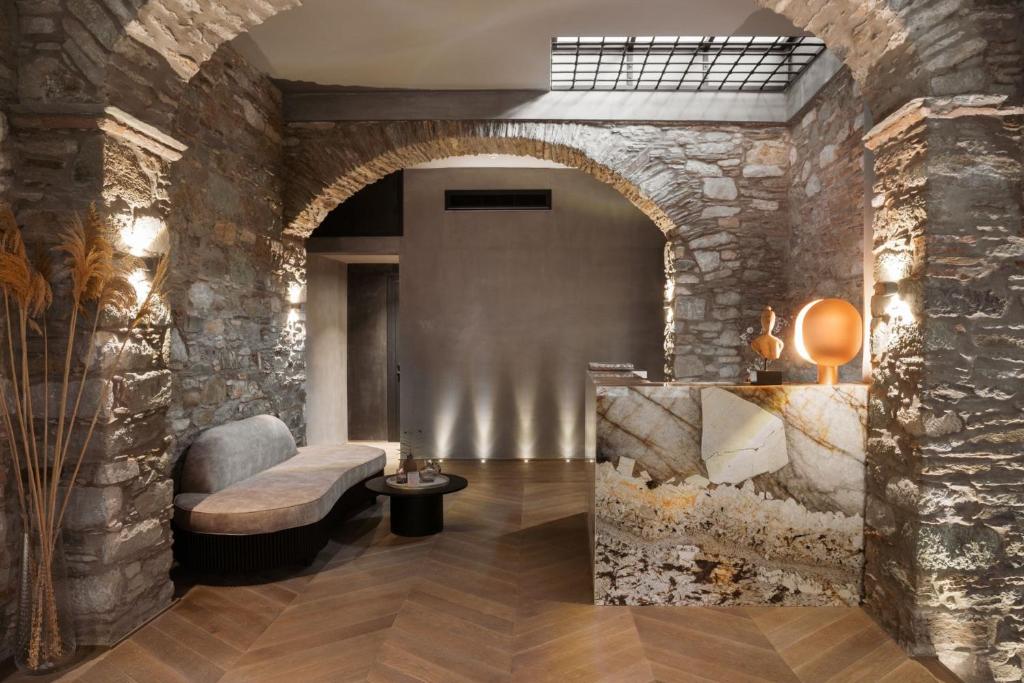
{"type": "Point", "coordinates": [729, 495]}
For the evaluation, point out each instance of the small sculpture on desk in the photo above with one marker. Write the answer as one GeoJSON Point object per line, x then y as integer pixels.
{"type": "Point", "coordinates": [769, 348]}
{"type": "Point", "coordinates": [405, 466]}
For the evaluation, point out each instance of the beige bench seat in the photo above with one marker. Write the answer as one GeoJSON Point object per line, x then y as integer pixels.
{"type": "Point", "coordinates": [247, 478]}
{"type": "Point", "coordinates": [299, 491]}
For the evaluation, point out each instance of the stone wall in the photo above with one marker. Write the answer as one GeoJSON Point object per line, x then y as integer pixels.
{"type": "Point", "coordinates": [945, 487]}
{"type": "Point", "coordinates": [233, 339]}
{"type": "Point", "coordinates": [237, 347]}
{"type": "Point", "coordinates": [717, 191]}
{"type": "Point", "coordinates": [826, 212]}
{"type": "Point", "coordinates": [8, 89]}
{"type": "Point", "coordinates": [8, 512]}
{"type": "Point", "coordinates": [116, 533]}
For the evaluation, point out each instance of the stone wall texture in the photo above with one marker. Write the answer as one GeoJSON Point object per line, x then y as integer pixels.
{"type": "Point", "coordinates": [945, 510]}
{"type": "Point", "coordinates": [826, 212]}
{"type": "Point", "coordinates": [8, 514]}
{"type": "Point", "coordinates": [8, 89]}
{"type": "Point", "coordinates": [228, 345]}
{"type": "Point", "coordinates": [717, 191]}
{"type": "Point", "coordinates": [944, 569]}
{"type": "Point", "coordinates": [237, 346]}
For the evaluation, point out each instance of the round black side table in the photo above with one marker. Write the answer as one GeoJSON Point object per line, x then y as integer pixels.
{"type": "Point", "coordinates": [417, 513]}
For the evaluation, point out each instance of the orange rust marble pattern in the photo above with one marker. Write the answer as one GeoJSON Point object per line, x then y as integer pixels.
{"type": "Point", "coordinates": [783, 525]}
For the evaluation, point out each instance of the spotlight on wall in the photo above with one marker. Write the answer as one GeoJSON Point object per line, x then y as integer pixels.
{"type": "Point", "coordinates": [143, 236]}
{"type": "Point", "coordinates": [296, 300]}
{"type": "Point", "coordinates": [828, 333]}
{"type": "Point", "coordinates": [899, 310]}
{"type": "Point", "coordinates": [139, 280]}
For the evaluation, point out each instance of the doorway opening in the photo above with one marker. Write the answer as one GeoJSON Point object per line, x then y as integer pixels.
{"type": "Point", "coordinates": [502, 305]}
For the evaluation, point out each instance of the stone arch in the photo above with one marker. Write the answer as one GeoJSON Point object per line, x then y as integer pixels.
{"type": "Point", "coordinates": [316, 185]}
{"type": "Point", "coordinates": [712, 244]}
{"type": "Point", "coordinates": [368, 158]}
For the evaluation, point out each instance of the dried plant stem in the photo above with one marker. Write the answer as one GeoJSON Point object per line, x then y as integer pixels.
{"type": "Point", "coordinates": [99, 282]}
{"type": "Point", "coordinates": [103, 396]}
{"type": "Point", "coordinates": [55, 474]}
{"type": "Point", "coordinates": [9, 428]}
{"type": "Point", "coordinates": [90, 347]}
{"type": "Point", "coordinates": [63, 441]}
{"type": "Point", "coordinates": [34, 493]}
{"type": "Point", "coordinates": [59, 437]}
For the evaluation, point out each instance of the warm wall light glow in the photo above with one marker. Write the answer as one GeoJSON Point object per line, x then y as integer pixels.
{"type": "Point", "coordinates": [798, 333]}
{"type": "Point", "coordinates": [139, 280]}
{"type": "Point", "coordinates": [829, 333]}
{"type": "Point", "coordinates": [893, 266]}
{"type": "Point", "coordinates": [899, 310]}
{"type": "Point", "coordinates": [570, 404]}
{"type": "Point", "coordinates": [445, 415]}
{"type": "Point", "coordinates": [139, 236]}
{"type": "Point", "coordinates": [295, 292]}
{"type": "Point", "coordinates": [525, 399]}
{"type": "Point", "coordinates": [483, 417]}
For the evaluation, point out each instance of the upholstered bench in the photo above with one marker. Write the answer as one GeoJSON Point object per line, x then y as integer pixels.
{"type": "Point", "coordinates": [249, 499]}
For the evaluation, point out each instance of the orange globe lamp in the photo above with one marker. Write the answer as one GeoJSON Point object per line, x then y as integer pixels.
{"type": "Point", "coordinates": [828, 333]}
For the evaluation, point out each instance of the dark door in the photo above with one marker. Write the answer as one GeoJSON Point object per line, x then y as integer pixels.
{"type": "Point", "coordinates": [372, 352]}
{"type": "Point", "coordinates": [394, 371]}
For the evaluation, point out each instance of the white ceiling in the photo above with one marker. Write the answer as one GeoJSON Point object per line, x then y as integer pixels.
{"type": "Point", "coordinates": [469, 44]}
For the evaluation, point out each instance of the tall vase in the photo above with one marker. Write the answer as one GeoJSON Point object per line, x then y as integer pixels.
{"type": "Point", "coordinates": [45, 638]}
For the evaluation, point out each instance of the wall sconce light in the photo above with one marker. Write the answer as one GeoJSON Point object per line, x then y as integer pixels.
{"type": "Point", "coordinates": [143, 235]}
{"type": "Point", "coordinates": [296, 301]}
{"type": "Point", "coordinates": [828, 333]}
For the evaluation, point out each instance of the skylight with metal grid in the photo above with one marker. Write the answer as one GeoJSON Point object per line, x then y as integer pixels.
{"type": "Point", "coordinates": [732, 63]}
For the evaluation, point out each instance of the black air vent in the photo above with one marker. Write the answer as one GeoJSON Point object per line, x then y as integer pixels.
{"type": "Point", "coordinates": [497, 200]}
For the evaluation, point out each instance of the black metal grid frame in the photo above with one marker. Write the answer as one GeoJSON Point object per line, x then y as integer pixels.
{"type": "Point", "coordinates": [687, 63]}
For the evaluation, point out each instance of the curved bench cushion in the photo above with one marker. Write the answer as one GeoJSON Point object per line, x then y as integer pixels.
{"type": "Point", "coordinates": [233, 452]}
{"type": "Point", "coordinates": [299, 491]}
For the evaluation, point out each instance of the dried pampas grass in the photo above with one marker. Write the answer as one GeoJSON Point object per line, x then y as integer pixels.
{"type": "Point", "coordinates": [45, 469]}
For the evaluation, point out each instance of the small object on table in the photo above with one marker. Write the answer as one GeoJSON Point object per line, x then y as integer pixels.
{"type": "Point", "coordinates": [417, 511]}
{"type": "Point", "coordinates": [769, 348]}
{"type": "Point", "coordinates": [431, 468]}
{"type": "Point", "coordinates": [408, 464]}
{"type": "Point", "coordinates": [416, 483]}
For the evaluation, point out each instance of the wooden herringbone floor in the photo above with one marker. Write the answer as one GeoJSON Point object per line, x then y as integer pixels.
{"type": "Point", "coordinates": [503, 594]}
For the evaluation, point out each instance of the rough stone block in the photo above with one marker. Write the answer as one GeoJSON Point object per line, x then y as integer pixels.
{"type": "Point", "coordinates": [763, 171]}
{"type": "Point", "coordinates": [720, 188]}
{"type": "Point", "coordinates": [91, 507]}
{"type": "Point", "coordinates": [732, 456]}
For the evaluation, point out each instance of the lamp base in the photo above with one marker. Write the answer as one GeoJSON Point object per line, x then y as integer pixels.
{"type": "Point", "coordinates": [828, 374]}
{"type": "Point", "coordinates": [763, 378]}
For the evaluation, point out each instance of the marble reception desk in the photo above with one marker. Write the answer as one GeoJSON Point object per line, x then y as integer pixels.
{"type": "Point", "coordinates": [728, 495]}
